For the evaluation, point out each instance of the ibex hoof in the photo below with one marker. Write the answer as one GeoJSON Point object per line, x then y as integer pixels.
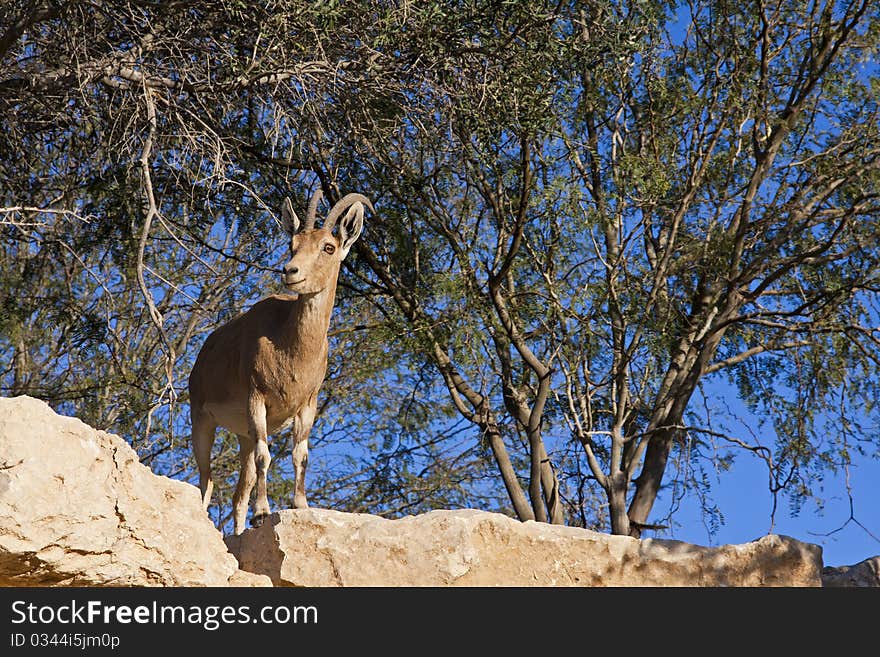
{"type": "Point", "coordinates": [257, 520]}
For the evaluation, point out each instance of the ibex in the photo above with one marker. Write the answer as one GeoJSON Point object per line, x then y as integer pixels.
{"type": "Point", "coordinates": [261, 372]}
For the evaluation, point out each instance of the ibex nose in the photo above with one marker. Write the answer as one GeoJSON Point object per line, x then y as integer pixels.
{"type": "Point", "coordinates": [289, 269]}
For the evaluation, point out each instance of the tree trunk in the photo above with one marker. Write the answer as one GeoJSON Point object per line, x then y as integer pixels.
{"type": "Point", "coordinates": [648, 482]}
{"type": "Point", "coordinates": [514, 491]}
{"type": "Point", "coordinates": [620, 524]}
{"type": "Point", "coordinates": [661, 439]}
{"type": "Point", "coordinates": [536, 449]}
{"type": "Point", "coordinates": [550, 485]}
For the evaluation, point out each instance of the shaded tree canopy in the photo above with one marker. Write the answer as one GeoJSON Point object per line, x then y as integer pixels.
{"type": "Point", "coordinates": [595, 220]}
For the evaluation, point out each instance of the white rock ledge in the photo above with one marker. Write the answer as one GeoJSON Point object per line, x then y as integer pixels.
{"type": "Point", "coordinates": [317, 547]}
{"type": "Point", "coordinates": [77, 508]}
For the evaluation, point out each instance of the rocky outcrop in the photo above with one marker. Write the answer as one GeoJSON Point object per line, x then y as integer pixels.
{"type": "Point", "coordinates": [864, 573]}
{"type": "Point", "coordinates": [315, 547]}
{"type": "Point", "coordinates": [77, 508]}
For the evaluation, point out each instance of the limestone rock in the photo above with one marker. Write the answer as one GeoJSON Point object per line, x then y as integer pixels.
{"type": "Point", "coordinates": [77, 508]}
{"type": "Point", "coordinates": [864, 573]}
{"type": "Point", "coordinates": [315, 547]}
{"type": "Point", "coordinates": [242, 578]}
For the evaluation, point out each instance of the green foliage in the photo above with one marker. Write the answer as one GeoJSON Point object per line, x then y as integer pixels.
{"type": "Point", "coordinates": [642, 197]}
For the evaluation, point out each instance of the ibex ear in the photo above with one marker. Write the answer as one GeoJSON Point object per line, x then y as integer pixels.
{"type": "Point", "coordinates": [351, 226]}
{"type": "Point", "coordinates": [289, 220]}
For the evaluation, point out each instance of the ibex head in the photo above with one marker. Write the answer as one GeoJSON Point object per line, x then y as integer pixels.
{"type": "Point", "coordinates": [315, 253]}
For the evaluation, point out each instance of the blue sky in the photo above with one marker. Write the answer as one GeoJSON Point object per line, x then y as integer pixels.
{"type": "Point", "coordinates": [744, 499]}
{"type": "Point", "coordinates": [747, 505]}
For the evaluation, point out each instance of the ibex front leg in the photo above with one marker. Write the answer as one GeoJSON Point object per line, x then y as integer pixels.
{"type": "Point", "coordinates": [258, 432]}
{"type": "Point", "coordinates": [302, 426]}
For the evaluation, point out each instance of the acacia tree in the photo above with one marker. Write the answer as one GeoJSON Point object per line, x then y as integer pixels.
{"type": "Point", "coordinates": [600, 215]}
{"type": "Point", "coordinates": [731, 185]}
{"type": "Point", "coordinates": [586, 210]}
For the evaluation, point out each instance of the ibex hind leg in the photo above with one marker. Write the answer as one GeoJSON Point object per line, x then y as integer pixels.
{"type": "Point", "coordinates": [246, 479]}
{"type": "Point", "coordinates": [203, 432]}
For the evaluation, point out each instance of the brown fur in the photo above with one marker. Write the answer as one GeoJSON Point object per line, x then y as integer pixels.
{"type": "Point", "coordinates": [262, 371]}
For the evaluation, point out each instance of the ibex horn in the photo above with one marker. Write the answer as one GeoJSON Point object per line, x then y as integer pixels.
{"type": "Point", "coordinates": [344, 204]}
{"type": "Point", "coordinates": [313, 208]}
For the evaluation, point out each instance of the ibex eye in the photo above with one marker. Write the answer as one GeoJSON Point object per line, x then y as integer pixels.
{"type": "Point", "coordinates": [329, 248]}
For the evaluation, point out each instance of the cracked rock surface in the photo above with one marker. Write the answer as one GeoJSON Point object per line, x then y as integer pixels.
{"type": "Point", "coordinates": [863, 574]}
{"type": "Point", "coordinates": [77, 508]}
{"type": "Point", "coordinates": [320, 547]}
